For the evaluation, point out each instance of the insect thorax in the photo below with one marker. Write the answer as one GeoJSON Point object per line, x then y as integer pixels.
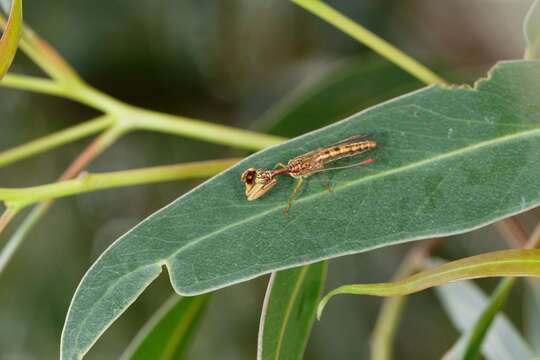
{"type": "Point", "coordinates": [301, 167]}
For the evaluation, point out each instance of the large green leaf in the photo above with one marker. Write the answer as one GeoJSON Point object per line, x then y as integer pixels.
{"type": "Point", "coordinates": [10, 37]}
{"type": "Point", "coordinates": [464, 302]}
{"type": "Point", "coordinates": [289, 311]}
{"type": "Point", "coordinates": [531, 28]}
{"type": "Point", "coordinates": [168, 334]}
{"type": "Point", "coordinates": [450, 160]}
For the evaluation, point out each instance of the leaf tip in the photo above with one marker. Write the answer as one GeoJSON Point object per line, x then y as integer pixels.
{"type": "Point", "coordinates": [322, 305]}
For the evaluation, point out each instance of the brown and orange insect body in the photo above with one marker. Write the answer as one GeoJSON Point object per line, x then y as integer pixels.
{"type": "Point", "coordinates": [345, 150]}
{"type": "Point", "coordinates": [259, 181]}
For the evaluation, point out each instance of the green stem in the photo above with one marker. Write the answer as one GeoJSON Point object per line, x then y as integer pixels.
{"type": "Point", "coordinates": [219, 134]}
{"type": "Point", "coordinates": [20, 198]}
{"type": "Point", "coordinates": [136, 118]}
{"type": "Point", "coordinates": [142, 119]}
{"type": "Point", "coordinates": [370, 40]}
{"type": "Point", "coordinates": [96, 148]}
{"type": "Point", "coordinates": [57, 139]}
{"type": "Point", "coordinates": [34, 84]}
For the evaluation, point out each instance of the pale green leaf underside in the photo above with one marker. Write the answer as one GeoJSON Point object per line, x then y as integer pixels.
{"type": "Point", "coordinates": [464, 302]}
{"type": "Point", "coordinates": [450, 160]}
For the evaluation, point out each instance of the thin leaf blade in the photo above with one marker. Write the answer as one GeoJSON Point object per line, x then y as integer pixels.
{"type": "Point", "coordinates": [289, 312]}
{"type": "Point", "coordinates": [509, 263]}
{"type": "Point", "coordinates": [11, 36]}
{"type": "Point", "coordinates": [168, 334]}
{"type": "Point", "coordinates": [212, 237]}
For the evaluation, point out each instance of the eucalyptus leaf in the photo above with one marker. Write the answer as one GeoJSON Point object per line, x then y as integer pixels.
{"type": "Point", "coordinates": [531, 28]}
{"type": "Point", "coordinates": [511, 263]}
{"type": "Point", "coordinates": [169, 333]}
{"type": "Point", "coordinates": [11, 35]}
{"type": "Point", "coordinates": [450, 159]}
{"type": "Point", "coordinates": [464, 302]}
{"type": "Point", "coordinates": [289, 311]}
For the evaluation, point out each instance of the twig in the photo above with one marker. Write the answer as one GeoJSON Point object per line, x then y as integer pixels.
{"type": "Point", "coordinates": [99, 145]}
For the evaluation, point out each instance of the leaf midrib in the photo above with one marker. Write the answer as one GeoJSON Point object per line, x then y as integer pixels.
{"type": "Point", "coordinates": [513, 136]}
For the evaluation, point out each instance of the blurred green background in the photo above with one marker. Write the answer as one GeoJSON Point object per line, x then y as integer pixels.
{"type": "Point", "coordinates": [245, 63]}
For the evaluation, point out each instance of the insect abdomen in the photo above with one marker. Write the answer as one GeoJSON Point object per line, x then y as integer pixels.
{"type": "Point", "coordinates": [347, 149]}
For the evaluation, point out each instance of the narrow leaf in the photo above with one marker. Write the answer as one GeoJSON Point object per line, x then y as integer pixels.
{"type": "Point", "coordinates": [464, 302]}
{"type": "Point", "coordinates": [41, 53]}
{"type": "Point", "coordinates": [289, 312]}
{"type": "Point", "coordinates": [450, 159]}
{"type": "Point", "coordinates": [476, 336]}
{"type": "Point", "coordinates": [10, 37]}
{"type": "Point", "coordinates": [498, 263]}
{"type": "Point", "coordinates": [531, 27]}
{"type": "Point", "coordinates": [169, 333]}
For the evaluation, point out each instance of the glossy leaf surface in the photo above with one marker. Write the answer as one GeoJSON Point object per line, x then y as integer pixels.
{"type": "Point", "coordinates": [449, 160]}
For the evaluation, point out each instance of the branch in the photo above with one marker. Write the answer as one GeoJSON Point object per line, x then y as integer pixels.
{"type": "Point", "coordinates": [136, 118]}
{"type": "Point", "coordinates": [96, 147]}
{"type": "Point", "coordinates": [86, 182]}
{"type": "Point", "coordinates": [55, 140]}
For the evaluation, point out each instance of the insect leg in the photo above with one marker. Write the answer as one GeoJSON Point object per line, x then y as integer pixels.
{"type": "Point", "coordinates": [281, 165]}
{"type": "Point", "coordinates": [297, 187]}
{"type": "Point", "coordinates": [362, 163]}
{"type": "Point", "coordinates": [328, 186]}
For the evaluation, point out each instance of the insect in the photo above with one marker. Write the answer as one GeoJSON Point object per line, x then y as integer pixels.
{"type": "Point", "coordinates": [259, 181]}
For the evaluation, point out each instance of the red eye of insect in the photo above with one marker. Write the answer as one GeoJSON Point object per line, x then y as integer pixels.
{"type": "Point", "coordinates": [249, 176]}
